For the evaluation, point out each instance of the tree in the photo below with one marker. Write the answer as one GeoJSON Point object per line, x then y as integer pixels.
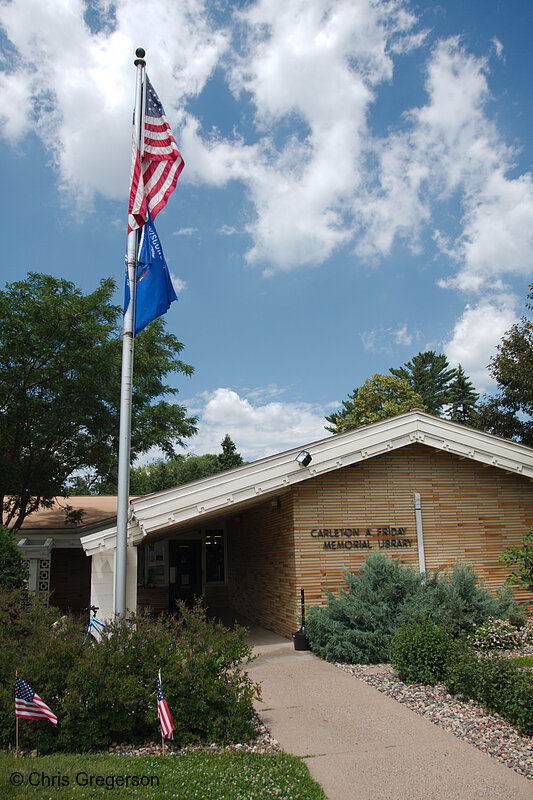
{"type": "Point", "coordinates": [522, 559]}
{"type": "Point", "coordinates": [336, 419]}
{"type": "Point", "coordinates": [13, 568]}
{"type": "Point", "coordinates": [430, 376]}
{"type": "Point", "coordinates": [60, 355]}
{"type": "Point", "coordinates": [510, 412]}
{"type": "Point", "coordinates": [165, 473]}
{"type": "Point", "coordinates": [462, 397]}
{"type": "Point", "coordinates": [229, 458]}
{"type": "Point", "coordinates": [380, 397]}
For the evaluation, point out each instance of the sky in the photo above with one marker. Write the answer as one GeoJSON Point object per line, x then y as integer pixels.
{"type": "Point", "coordinates": [357, 186]}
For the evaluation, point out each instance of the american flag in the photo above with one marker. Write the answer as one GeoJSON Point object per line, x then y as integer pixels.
{"type": "Point", "coordinates": [167, 726]}
{"type": "Point", "coordinates": [155, 171]}
{"type": "Point", "coordinates": [29, 705]}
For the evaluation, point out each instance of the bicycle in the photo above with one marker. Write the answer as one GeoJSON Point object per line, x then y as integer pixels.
{"type": "Point", "coordinates": [96, 627]}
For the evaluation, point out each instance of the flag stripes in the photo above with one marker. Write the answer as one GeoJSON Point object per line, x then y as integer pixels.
{"type": "Point", "coordinates": [29, 705]}
{"type": "Point", "coordinates": [154, 171]}
{"type": "Point", "coordinates": [165, 720]}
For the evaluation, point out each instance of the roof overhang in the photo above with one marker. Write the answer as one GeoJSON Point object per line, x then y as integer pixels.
{"type": "Point", "coordinates": [229, 492]}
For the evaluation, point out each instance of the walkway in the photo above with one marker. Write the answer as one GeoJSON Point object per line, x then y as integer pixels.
{"type": "Point", "coordinates": [363, 745]}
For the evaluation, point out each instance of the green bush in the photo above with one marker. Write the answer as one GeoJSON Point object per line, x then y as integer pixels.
{"type": "Point", "coordinates": [459, 601]}
{"type": "Point", "coordinates": [106, 692]}
{"type": "Point", "coordinates": [463, 674]}
{"type": "Point", "coordinates": [420, 652]}
{"type": "Point", "coordinates": [497, 683]}
{"type": "Point", "coordinates": [358, 623]}
{"type": "Point", "coordinates": [13, 568]}
{"type": "Point", "coordinates": [495, 634]}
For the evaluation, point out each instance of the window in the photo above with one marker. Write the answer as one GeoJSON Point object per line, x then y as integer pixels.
{"type": "Point", "coordinates": [156, 564]}
{"type": "Point", "coordinates": [214, 556]}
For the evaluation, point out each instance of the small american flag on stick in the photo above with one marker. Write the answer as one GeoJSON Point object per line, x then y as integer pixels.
{"type": "Point", "coordinates": [167, 726]}
{"type": "Point", "coordinates": [29, 705]}
{"type": "Point", "coordinates": [156, 169]}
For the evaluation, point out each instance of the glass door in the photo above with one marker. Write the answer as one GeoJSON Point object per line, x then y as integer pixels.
{"type": "Point", "coordinates": [185, 572]}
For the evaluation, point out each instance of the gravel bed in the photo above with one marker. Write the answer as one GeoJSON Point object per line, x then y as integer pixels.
{"type": "Point", "coordinates": [263, 742]}
{"type": "Point", "coordinates": [466, 719]}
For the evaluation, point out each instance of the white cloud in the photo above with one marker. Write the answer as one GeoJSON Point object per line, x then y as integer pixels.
{"type": "Point", "coordinates": [178, 284]}
{"type": "Point", "coordinates": [316, 63]}
{"type": "Point", "coordinates": [310, 71]}
{"type": "Point", "coordinates": [498, 233]}
{"type": "Point", "coordinates": [227, 230]}
{"type": "Point", "coordinates": [185, 232]}
{"type": "Point", "coordinates": [66, 82]}
{"type": "Point", "coordinates": [381, 340]}
{"type": "Point", "coordinates": [258, 429]}
{"type": "Point", "coordinates": [476, 335]}
{"type": "Point", "coordinates": [498, 46]}
{"type": "Point", "coordinates": [451, 147]}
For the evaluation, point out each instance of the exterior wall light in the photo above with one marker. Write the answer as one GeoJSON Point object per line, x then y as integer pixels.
{"type": "Point", "coordinates": [303, 458]}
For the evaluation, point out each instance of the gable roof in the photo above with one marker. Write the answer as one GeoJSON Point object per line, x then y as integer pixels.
{"type": "Point", "coordinates": [229, 492]}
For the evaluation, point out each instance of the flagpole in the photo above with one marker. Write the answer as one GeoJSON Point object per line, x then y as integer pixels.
{"type": "Point", "coordinates": [16, 724]}
{"type": "Point", "coordinates": [126, 385]}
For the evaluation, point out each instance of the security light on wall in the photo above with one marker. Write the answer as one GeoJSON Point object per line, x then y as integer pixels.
{"type": "Point", "coordinates": [303, 458]}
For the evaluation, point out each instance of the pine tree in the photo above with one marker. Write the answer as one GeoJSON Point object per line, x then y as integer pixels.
{"type": "Point", "coordinates": [429, 375]}
{"type": "Point", "coordinates": [229, 457]}
{"type": "Point", "coordinates": [462, 397]}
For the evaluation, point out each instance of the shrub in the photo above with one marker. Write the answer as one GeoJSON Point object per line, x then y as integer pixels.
{"type": "Point", "coordinates": [358, 623]}
{"type": "Point", "coordinates": [497, 683]}
{"type": "Point", "coordinates": [495, 634]}
{"type": "Point", "coordinates": [522, 559]}
{"type": "Point", "coordinates": [459, 601]}
{"type": "Point", "coordinates": [462, 674]}
{"type": "Point", "coordinates": [107, 692]}
{"type": "Point", "coordinates": [13, 568]}
{"type": "Point", "coordinates": [420, 652]}
{"type": "Point", "coordinates": [526, 632]}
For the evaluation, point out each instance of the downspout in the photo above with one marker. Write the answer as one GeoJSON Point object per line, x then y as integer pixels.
{"type": "Point", "coordinates": [419, 534]}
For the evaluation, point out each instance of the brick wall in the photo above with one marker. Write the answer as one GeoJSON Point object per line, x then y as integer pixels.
{"type": "Point", "coordinates": [469, 512]}
{"type": "Point", "coordinates": [261, 571]}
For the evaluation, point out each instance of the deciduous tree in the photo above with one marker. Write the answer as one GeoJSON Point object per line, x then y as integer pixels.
{"type": "Point", "coordinates": [60, 356]}
{"type": "Point", "coordinates": [380, 397]}
{"type": "Point", "coordinates": [510, 412]}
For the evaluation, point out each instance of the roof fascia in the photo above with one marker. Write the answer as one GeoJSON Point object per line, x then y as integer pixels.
{"type": "Point", "coordinates": [226, 491]}
{"type": "Point", "coordinates": [223, 491]}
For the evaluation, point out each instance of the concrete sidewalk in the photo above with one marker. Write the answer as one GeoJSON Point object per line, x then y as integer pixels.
{"type": "Point", "coordinates": [363, 745]}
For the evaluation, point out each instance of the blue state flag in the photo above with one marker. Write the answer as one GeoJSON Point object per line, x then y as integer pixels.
{"type": "Point", "coordinates": [155, 291]}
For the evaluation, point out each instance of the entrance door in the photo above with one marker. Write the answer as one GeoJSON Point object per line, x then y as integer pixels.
{"type": "Point", "coordinates": [185, 572]}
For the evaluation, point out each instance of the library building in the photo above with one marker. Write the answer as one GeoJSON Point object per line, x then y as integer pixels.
{"type": "Point", "coordinates": [422, 489]}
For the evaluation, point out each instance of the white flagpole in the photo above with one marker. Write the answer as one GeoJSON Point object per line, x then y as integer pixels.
{"type": "Point", "coordinates": [126, 385]}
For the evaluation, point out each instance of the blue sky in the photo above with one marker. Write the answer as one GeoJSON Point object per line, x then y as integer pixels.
{"type": "Point", "coordinates": [357, 185]}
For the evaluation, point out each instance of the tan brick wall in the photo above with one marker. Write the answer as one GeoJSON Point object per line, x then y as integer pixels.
{"type": "Point", "coordinates": [469, 512]}
{"type": "Point", "coordinates": [261, 573]}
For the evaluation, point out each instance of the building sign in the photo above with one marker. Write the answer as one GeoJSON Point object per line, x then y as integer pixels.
{"type": "Point", "coordinates": [385, 537]}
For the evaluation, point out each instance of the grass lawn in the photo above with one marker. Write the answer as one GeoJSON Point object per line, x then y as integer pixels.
{"type": "Point", "coordinates": [523, 661]}
{"type": "Point", "coordinates": [196, 776]}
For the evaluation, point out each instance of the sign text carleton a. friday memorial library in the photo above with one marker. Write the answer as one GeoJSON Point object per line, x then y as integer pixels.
{"type": "Point", "coordinates": [385, 537]}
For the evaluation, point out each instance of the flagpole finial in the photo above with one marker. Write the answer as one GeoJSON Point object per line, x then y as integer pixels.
{"type": "Point", "coordinates": [140, 53]}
